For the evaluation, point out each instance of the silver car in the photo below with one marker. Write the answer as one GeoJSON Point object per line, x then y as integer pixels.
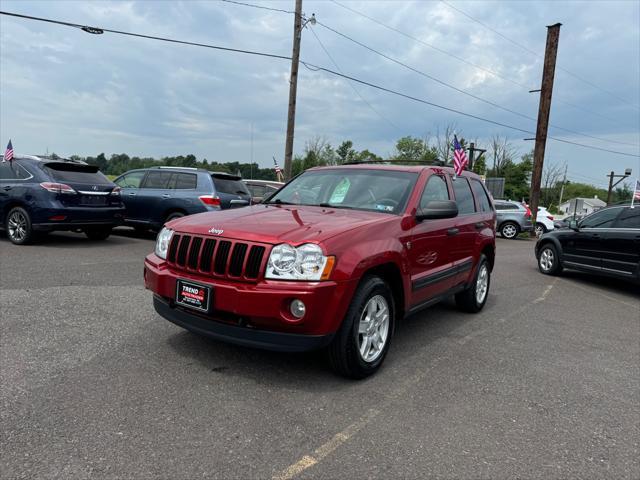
{"type": "Point", "coordinates": [513, 218]}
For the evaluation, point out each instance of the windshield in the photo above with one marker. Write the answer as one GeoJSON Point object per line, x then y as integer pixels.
{"type": "Point", "coordinates": [375, 190]}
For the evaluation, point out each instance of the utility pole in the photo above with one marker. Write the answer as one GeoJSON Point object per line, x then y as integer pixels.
{"type": "Point", "coordinates": [548, 73]}
{"type": "Point", "coordinates": [293, 87]}
{"type": "Point", "coordinates": [564, 180]}
{"type": "Point", "coordinates": [613, 175]}
{"type": "Point", "coordinates": [472, 154]}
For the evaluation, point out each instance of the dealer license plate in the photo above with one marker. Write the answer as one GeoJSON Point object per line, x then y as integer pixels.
{"type": "Point", "coordinates": [193, 295]}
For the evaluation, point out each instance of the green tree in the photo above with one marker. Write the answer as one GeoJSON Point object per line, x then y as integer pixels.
{"type": "Point", "coordinates": [345, 152]}
{"type": "Point", "coordinates": [411, 149]}
{"type": "Point", "coordinates": [480, 165]}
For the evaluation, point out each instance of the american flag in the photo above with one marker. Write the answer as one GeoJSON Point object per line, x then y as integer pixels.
{"type": "Point", "coordinates": [276, 166]}
{"type": "Point", "coordinates": [459, 157]}
{"type": "Point", "coordinates": [636, 192]}
{"type": "Point", "coordinates": [8, 153]}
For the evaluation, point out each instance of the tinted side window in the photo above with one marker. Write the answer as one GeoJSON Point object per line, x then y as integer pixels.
{"type": "Point", "coordinates": [630, 218]}
{"type": "Point", "coordinates": [13, 171]}
{"type": "Point", "coordinates": [464, 197]}
{"type": "Point", "coordinates": [484, 203]}
{"type": "Point", "coordinates": [435, 190]}
{"type": "Point", "coordinates": [130, 180]}
{"type": "Point", "coordinates": [229, 185]}
{"type": "Point", "coordinates": [157, 180]}
{"type": "Point", "coordinates": [257, 190]}
{"type": "Point", "coordinates": [184, 181]}
{"type": "Point", "coordinates": [602, 219]}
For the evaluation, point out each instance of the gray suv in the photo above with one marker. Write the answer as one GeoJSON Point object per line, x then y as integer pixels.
{"type": "Point", "coordinates": [153, 196]}
{"type": "Point", "coordinates": [513, 218]}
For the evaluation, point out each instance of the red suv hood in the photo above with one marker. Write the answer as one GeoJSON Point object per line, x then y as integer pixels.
{"type": "Point", "coordinates": [276, 224]}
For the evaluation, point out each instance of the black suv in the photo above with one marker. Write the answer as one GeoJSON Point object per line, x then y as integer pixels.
{"type": "Point", "coordinates": [606, 242]}
{"type": "Point", "coordinates": [39, 194]}
{"type": "Point", "coordinates": [156, 195]}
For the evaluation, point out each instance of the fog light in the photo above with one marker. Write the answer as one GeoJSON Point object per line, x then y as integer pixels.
{"type": "Point", "coordinates": [297, 309]}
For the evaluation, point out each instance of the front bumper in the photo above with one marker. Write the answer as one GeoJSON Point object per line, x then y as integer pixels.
{"type": "Point", "coordinates": [254, 314]}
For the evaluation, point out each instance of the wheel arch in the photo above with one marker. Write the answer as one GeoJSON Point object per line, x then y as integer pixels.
{"type": "Point", "coordinates": [10, 205]}
{"type": "Point", "coordinates": [390, 272]}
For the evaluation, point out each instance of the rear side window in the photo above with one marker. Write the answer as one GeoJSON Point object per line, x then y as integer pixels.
{"type": "Point", "coordinates": [484, 204]}
{"type": "Point", "coordinates": [629, 218]}
{"type": "Point", "coordinates": [184, 181]}
{"type": "Point", "coordinates": [602, 219]}
{"type": "Point", "coordinates": [257, 190]}
{"type": "Point", "coordinates": [464, 197]}
{"type": "Point", "coordinates": [13, 171]}
{"type": "Point", "coordinates": [506, 206]}
{"type": "Point", "coordinates": [75, 173]}
{"type": "Point", "coordinates": [158, 180]}
{"type": "Point", "coordinates": [229, 185]}
{"type": "Point", "coordinates": [435, 190]}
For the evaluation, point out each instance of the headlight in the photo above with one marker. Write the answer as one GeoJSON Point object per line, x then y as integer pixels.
{"type": "Point", "coordinates": [163, 241]}
{"type": "Point", "coordinates": [307, 262]}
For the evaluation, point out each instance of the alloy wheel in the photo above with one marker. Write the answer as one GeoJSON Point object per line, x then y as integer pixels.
{"type": "Point", "coordinates": [17, 226]}
{"type": "Point", "coordinates": [482, 283]}
{"type": "Point", "coordinates": [509, 231]}
{"type": "Point", "coordinates": [373, 329]}
{"type": "Point", "coordinates": [547, 258]}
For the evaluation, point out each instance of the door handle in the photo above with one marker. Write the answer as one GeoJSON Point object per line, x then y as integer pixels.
{"type": "Point", "coordinates": [166, 195]}
{"type": "Point", "coordinates": [480, 225]}
{"type": "Point", "coordinates": [132, 194]}
{"type": "Point", "coordinates": [453, 231]}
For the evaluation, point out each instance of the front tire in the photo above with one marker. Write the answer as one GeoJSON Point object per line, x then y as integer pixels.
{"type": "Point", "coordinates": [98, 233]}
{"type": "Point", "coordinates": [173, 216]}
{"type": "Point", "coordinates": [363, 340]}
{"type": "Point", "coordinates": [509, 230]}
{"type": "Point", "coordinates": [473, 298]}
{"type": "Point", "coordinates": [18, 226]}
{"type": "Point", "coordinates": [549, 260]}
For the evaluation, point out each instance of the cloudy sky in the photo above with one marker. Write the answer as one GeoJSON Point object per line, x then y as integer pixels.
{"type": "Point", "coordinates": [70, 92]}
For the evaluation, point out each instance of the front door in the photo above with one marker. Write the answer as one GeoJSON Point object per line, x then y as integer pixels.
{"type": "Point", "coordinates": [431, 268]}
{"type": "Point", "coordinates": [130, 185]}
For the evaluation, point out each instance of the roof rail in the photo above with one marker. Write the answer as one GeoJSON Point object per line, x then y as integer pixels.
{"type": "Point", "coordinates": [437, 163]}
{"type": "Point", "coordinates": [174, 166]}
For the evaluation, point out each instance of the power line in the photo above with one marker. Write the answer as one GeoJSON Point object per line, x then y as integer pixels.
{"type": "Point", "coordinates": [351, 84]}
{"type": "Point", "coordinates": [261, 7]}
{"type": "Point", "coordinates": [578, 77]}
{"type": "Point", "coordinates": [463, 60]}
{"type": "Point", "coordinates": [465, 92]}
{"type": "Point", "coordinates": [312, 67]}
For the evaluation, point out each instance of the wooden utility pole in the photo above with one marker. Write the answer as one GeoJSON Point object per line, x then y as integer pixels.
{"type": "Point", "coordinates": [548, 72]}
{"type": "Point", "coordinates": [293, 87]}
{"type": "Point", "coordinates": [564, 180]}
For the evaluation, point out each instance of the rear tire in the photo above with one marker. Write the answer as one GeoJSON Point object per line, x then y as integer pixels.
{"type": "Point", "coordinates": [549, 260]}
{"type": "Point", "coordinates": [509, 230]}
{"type": "Point", "coordinates": [18, 226]}
{"type": "Point", "coordinates": [362, 341]}
{"type": "Point", "coordinates": [540, 229]}
{"type": "Point", "coordinates": [98, 233]}
{"type": "Point", "coordinates": [474, 297]}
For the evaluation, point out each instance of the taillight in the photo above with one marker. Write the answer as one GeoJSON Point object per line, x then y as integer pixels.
{"type": "Point", "coordinates": [550, 217]}
{"type": "Point", "coordinates": [210, 200]}
{"type": "Point", "coordinates": [57, 187]}
{"type": "Point", "coordinates": [116, 191]}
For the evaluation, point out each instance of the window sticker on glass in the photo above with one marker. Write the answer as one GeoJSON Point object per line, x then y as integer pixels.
{"type": "Point", "coordinates": [340, 191]}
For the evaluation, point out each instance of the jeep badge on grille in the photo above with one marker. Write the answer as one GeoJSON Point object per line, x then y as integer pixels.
{"type": "Point", "coordinates": [216, 231]}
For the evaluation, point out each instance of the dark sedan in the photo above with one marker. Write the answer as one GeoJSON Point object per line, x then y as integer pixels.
{"type": "Point", "coordinates": [606, 242]}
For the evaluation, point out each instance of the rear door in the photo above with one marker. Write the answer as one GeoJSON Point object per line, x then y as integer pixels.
{"type": "Point", "coordinates": [231, 190]}
{"type": "Point", "coordinates": [152, 196]}
{"type": "Point", "coordinates": [464, 234]}
{"type": "Point", "coordinates": [431, 267]}
{"type": "Point", "coordinates": [622, 244]}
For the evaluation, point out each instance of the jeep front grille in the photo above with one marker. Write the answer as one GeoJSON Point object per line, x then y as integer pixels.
{"type": "Point", "coordinates": [216, 257]}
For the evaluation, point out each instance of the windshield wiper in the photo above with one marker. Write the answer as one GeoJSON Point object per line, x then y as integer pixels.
{"type": "Point", "coordinates": [329, 205]}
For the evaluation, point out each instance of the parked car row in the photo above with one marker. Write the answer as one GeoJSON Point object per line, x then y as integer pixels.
{"type": "Point", "coordinates": [39, 195]}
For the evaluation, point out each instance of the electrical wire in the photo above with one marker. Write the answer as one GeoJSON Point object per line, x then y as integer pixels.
{"type": "Point", "coordinates": [312, 67]}
{"type": "Point", "coordinates": [351, 84]}
{"type": "Point", "coordinates": [261, 7]}
{"type": "Point", "coordinates": [578, 77]}
{"type": "Point", "coordinates": [463, 60]}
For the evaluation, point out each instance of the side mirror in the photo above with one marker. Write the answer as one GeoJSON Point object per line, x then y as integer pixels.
{"type": "Point", "coordinates": [573, 225]}
{"type": "Point", "coordinates": [438, 209]}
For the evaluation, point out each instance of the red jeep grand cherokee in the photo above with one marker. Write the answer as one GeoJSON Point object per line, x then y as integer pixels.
{"type": "Point", "coordinates": [334, 259]}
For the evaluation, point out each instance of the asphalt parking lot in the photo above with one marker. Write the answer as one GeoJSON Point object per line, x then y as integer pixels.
{"type": "Point", "coordinates": [544, 383]}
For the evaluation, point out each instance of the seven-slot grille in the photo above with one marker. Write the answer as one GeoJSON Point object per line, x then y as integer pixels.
{"type": "Point", "coordinates": [216, 257]}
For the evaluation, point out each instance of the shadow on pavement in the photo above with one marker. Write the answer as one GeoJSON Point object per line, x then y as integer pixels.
{"type": "Point", "coordinates": [607, 284]}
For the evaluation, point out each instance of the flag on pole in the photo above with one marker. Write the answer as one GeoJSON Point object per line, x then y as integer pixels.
{"type": "Point", "coordinates": [277, 168]}
{"type": "Point", "coordinates": [459, 156]}
{"type": "Point", "coordinates": [8, 153]}
{"type": "Point", "coordinates": [636, 193]}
